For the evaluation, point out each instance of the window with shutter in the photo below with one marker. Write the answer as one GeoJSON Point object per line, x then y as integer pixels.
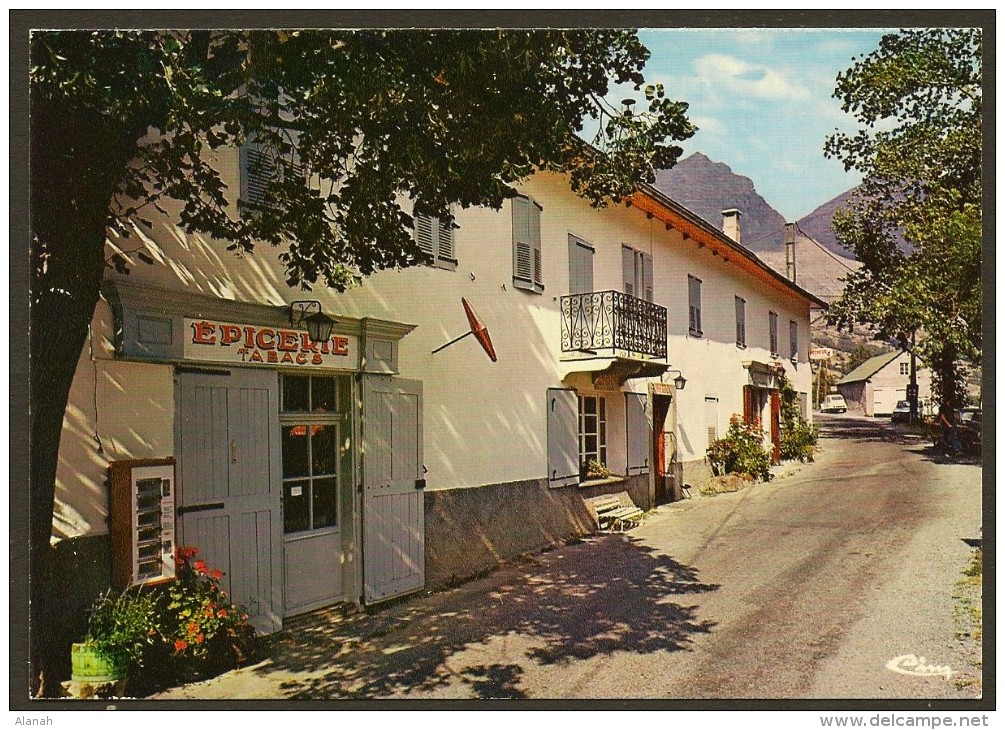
{"type": "Point", "coordinates": [741, 322]}
{"type": "Point", "coordinates": [563, 437]}
{"type": "Point", "coordinates": [637, 433]}
{"type": "Point", "coordinates": [436, 239]}
{"type": "Point", "coordinates": [580, 266]}
{"type": "Point", "coordinates": [262, 167]}
{"type": "Point", "coordinates": [592, 430]}
{"type": "Point", "coordinates": [694, 306]}
{"type": "Point", "coordinates": [793, 340]}
{"type": "Point", "coordinates": [637, 273]}
{"type": "Point", "coordinates": [528, 271]}
{"type": "Point", "coordinates": [773, 332]}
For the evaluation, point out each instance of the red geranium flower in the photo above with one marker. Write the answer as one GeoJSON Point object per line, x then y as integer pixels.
{"type": "Point", "coordinates": [192, 627]}
{"type": "Point", "coordinates": [200, 566]}
{"type": "Point", "coordinates": [222, 613]}
{"type": "Point", "coordinates": [180, 645]}
{"type": "Point", "coordinates": [216, 574]}
{"type": "Point", "coordinates": [199, 639]}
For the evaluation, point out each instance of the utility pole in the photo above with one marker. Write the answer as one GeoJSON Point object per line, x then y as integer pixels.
{"type": "Point", "coordinates": [912, 387]}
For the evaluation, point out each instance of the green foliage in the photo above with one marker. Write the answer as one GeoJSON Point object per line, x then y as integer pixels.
{"type": "Point", "coordinates": [198, 622]}
{"type": "Point", "coordinates": [360, 120]}
{"type": "Point", "coordinates": [915, 222]}
{"type": "Point", "coordinates": [123, 628]}
{"type": "Point", "coordinates": [741, 451]}
{"type": "Point", "coordinates": [799, 437]}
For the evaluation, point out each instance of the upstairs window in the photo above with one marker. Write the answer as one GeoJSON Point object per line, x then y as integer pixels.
{"type": "Point", "coordinates": [693, 306]}
{"type": "Point", "coordinates": [793, 340]}
{"type": "Point", "coordinates": [527, 270]}
{"type": "Point", "coordinates": [741, 322]}
{"type": "Point", "coordinates": [263, 166]}
{"type": "Point", "coordinates": [436, 239]}
{"type": "Point", "coordinates": [905, 368]}
{"type": "Point", "coordinates": [637, 271]}
{"type": "Point", "coordinates": [580, 266]}
{"type": "Point", "coordinates": [773, 332]}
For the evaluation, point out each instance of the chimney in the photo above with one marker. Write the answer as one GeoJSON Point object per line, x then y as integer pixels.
{"type": "Point", "coordinates": [731, 223]}
{"type": "Point", "coordinates": [790, 251]}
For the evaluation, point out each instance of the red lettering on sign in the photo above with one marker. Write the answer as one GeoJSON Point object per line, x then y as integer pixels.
{"type": "Point", "coordinates": [249, 337]}
{"type": "Point", "coordinates": [287, 357]}
{"type": "Point", "coordinates": [273, 357]}
{"type": "Point", "coordinates": [301, 358]}
{"type": "Point", "coordinates": [287, 340]}
{"type": "Point", "coordinates": [340, 345]}
{"type": "Point", "coordinates": [202, 333]}
{"type": "Point", "coordinates": [260, 339]}
{"type": "Point", "coordinates": [306, 345]}
{"type": "Point", "coordinates": [316, 359]}
{"type": "Point", "coordinates": [324, 346]}
{"type": "Point", "coordinates": [256, 356]}
{"type": "Point", "coordinates": [229, 334]}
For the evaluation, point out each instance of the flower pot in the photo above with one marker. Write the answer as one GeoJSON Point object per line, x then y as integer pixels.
{"type": "Point", "coordinates": [89, 666]}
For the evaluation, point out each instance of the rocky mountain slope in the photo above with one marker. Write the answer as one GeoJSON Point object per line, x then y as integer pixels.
{"type": "Point", "coordinates": [818, 224]}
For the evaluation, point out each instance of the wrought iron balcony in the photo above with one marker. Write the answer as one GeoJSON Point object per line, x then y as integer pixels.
{"type": "Point", "coordinates": [613, 320]}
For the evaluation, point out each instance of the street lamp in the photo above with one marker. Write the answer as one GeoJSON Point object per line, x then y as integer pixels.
{"type": "Point", "coordinates": [680, 381]}
{"type": "Point", "coordinates": [308, 314]}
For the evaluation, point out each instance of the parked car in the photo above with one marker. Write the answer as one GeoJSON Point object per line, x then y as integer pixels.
{"type": "Point", "coordinates": [901, 412]}
{"type": "Point", "coordinates": [834, 404]}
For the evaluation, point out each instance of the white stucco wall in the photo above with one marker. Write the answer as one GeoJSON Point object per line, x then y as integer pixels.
{"type": "Point", "coordinates": [484, 422]}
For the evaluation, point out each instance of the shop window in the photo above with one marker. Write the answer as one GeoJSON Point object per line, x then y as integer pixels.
{"type": "Point", "coordinates": [592, 430]}
{"type": "Point", "coordinates": [314, 422]}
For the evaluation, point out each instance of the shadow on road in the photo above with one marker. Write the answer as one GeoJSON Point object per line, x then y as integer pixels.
{"type": "Point", "coordinates": [610, 595]}
{"type": "Point", "coordinates": [881, 430]}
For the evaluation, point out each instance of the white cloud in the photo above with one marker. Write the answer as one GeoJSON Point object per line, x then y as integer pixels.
{"type": "Point", "coordinates": [710, 126]}
{"type": "Point", "coordinates": [747, 79]}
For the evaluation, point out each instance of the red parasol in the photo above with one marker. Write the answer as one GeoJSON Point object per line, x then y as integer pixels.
{"type": "Point", "coordinates": [478, 329]}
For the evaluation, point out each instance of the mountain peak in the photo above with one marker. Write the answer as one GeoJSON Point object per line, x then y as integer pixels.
{"type": "Point", "coordinates": [707, 187]}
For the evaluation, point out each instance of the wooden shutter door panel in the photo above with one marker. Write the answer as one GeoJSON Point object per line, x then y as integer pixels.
{"type": "Point", "coordinates": [563, 437]}
{"type": "Point", "coordinates": [535, 242]}
{"type": "Point", "coordinates": [424, 234]}
{"type": "Point", "coordinates": [628, 270]}
{"type": "Point", "coordinates": [647, 277]}
{"type": "Point", "coordinates": [748, 404]}
{"type": "Point", "coordinates": [637, 433]}
{"type": "Point", "coordinates": [580, 267]}
{"type": "Point", "coordinates": [393, 509]}
{"type": "Point", "coordinates": [230, 472]}
{"type": "Point", "coordinates": [445, 241]}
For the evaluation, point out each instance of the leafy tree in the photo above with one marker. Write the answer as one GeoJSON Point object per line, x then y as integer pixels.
{"type": "Point", "coordinates": [915, 222]}
{"type": "Point", "coordinates": [799, 436]}
{"type": "Point", "coordinates": [860, 353]}
{"type": "Point", "coordinates": [121, 120]}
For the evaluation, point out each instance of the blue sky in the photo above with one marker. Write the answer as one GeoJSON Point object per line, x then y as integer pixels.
{"type": "Point", "coordinates": [762, 100]}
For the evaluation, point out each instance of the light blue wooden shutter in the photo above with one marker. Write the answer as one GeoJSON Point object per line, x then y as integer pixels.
{"type": "Point", "coordinates": [563, 437]}
{"type": "Point", "coordinates": [637, 433]}
{"type": "Point", "coordinates": [694, 305]}
{"type": "Point", "coordinates": [580, 266]}
{"type": "Point", "coordinates": [527, 261]}
{"type": "Point", "coordinates": [258, 172]}
{"type": "Point", "coordinates": [445, 244]}
{"type": "Point", "coordinates": [425, 235]}
{"type": "Point", "coordinates": [741, 322]}
{"type": "Point", "coordinates": [647, 277]}
{"type": "Point", "coordinates": [628, 270]}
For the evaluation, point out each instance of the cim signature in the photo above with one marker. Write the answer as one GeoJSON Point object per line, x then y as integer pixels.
{"type": "Point", "coordinates": [918, 667]}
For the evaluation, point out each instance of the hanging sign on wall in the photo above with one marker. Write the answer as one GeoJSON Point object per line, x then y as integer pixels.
{"type": "Point", "coordinates": [213, 341]}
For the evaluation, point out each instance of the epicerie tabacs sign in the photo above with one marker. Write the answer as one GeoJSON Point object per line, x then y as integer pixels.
{"type": "Point", "coordinates": [247, 344]}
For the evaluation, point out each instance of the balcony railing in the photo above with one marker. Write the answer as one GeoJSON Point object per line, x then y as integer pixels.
{"type": "Point", "coordinates": [613, 320]}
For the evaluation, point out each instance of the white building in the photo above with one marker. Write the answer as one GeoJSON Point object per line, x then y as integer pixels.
{"type": "Point", "coordinates": [874, 387]}
{"type": "Point", "coordinates": [371, 466]}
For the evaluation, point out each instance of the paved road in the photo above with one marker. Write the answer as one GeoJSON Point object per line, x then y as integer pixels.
{"type": "Point", "coordinates": [804, 587]}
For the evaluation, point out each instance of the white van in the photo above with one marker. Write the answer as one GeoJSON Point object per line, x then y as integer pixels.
{"type": "Point", "coordinates": [834, 404]}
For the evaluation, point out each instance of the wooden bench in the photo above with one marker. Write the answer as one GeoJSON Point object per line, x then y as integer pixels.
{"type": "Point", "coordinates": [612, 514]}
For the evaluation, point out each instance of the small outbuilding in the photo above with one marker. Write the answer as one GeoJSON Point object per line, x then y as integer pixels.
{"type": "Point", "coordinates": [874, 387]}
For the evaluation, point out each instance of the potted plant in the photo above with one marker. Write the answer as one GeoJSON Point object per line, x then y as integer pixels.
{"type": "Point", "coordinates": [120, 629]}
